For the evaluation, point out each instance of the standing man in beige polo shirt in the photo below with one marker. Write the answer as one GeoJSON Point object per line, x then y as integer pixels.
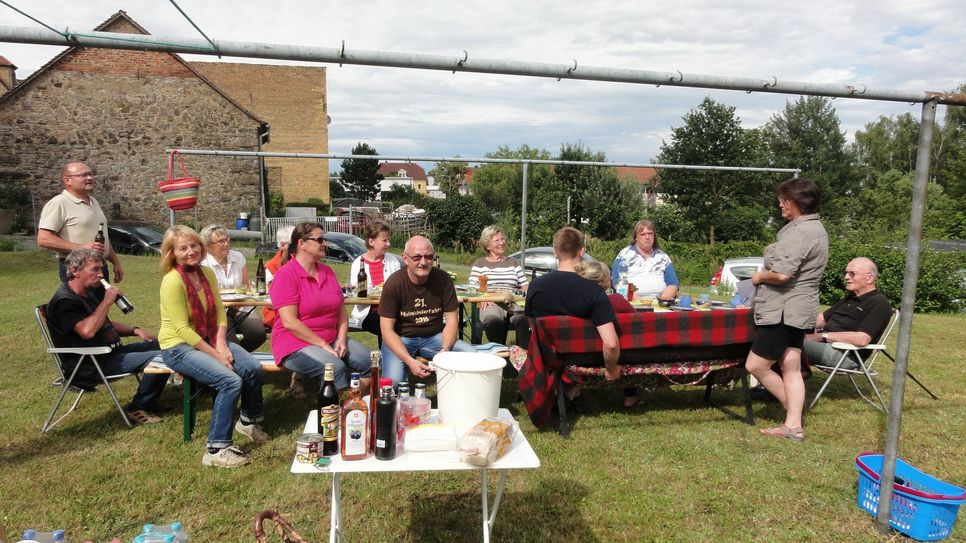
{"type": "Point", "coordinates": [71, 219]}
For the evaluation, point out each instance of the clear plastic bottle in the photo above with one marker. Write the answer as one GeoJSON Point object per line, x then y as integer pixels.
{"type": "Point", "coordinates": [621, 286]}
{"type": "Point", "coordinates": [179, 532]}
{"type": "Point", "coordinates": [33, 536]}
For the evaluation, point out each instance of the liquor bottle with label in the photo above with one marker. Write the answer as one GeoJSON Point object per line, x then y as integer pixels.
{"type": "Point", "coordinates": [328, 408]}
{"type": "Point", "coordinates": [362, 281]}
{"type": "Point", "coordinates": [260, 285]}
{"type": "Point", "coordinates": [121, 301]}
{"type": "Point", "coordinates": [99, 238]}
{"type": "Point", "coordinates": [386, 425]}
{"type": "Point", "coordinates": [374, 359]}
{"type": "Point", "coordinates": [355, 424]}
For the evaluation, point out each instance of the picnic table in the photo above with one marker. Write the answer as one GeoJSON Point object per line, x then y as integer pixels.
{"type": "Point", "coordinates": [657, 349]}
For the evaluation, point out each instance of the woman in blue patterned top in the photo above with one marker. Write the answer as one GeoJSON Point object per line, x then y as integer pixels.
{"type": "Point", "coordinates": [647, 266]}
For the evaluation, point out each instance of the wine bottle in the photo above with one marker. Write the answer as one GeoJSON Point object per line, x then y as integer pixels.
{"type": "Point", "coordinates": [362, 281]}
{"type": "Point", "coordinates": [121, 301]}
{"type": "Point", "coordinates": [260, 286]}
{"type": "Point", "coordinates": [328, 408]}
{"type": "Point", "coordinates": [355, 424]}
{"type": "Point", "coordinates": [374, 359]}
{"type": "Point", "coordinates": [386, 425]}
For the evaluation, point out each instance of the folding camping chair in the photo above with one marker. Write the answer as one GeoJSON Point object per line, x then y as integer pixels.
{"type": "Point", "coordinates": [87, 355]}
{"type": "Point", "coordinates": [866, 366]}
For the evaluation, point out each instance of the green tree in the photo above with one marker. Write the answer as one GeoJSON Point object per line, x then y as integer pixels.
{"type": "Point", "coordinates": [711, 199]}
{"type": "Point", "coordinates": [807, 135]}
{"type": "Point", "coordinates": [888, 143]}
{"type": "Point", "coordinates": [402, 194]}
{"type": "Point", "coordinates": [458, 220]}
{"type": "Point", "coordinates": [886, 201]}
{"type": "Point", "coordinates": [449, 176]}
{"type": "Point", "coordinates": [361, 176]}
{"type": "Point", "coordinates": [500, 187]}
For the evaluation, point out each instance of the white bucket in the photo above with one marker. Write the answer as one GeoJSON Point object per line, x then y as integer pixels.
{"type": "Point", "coordinates": [467, 388]}
{"type": "Point", "coordinates": [243, 215]}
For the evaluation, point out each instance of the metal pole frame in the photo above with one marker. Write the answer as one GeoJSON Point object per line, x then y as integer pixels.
{"type": "Point", "coordinates": [909, 280]}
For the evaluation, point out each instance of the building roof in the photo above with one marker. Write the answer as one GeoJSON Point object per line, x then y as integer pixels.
{"type": "Point", "coordinates": [5, 62]}
{"type": "Point", "coordinates": [642, 175]}
{"type": "Point", "coordinates": [390, 169]}
{"type": "Point", "coordinates": [121, 16]}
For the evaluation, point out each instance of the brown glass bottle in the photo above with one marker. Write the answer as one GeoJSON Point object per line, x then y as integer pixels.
{"type": "Point", "coordinates": [362, 281]}
{"type": "Point", "coordinates": [99, 238]}
{"type": "Point", "coordinates": [374, 358]}
{"type": "Point", "coordinates": [355, 424]}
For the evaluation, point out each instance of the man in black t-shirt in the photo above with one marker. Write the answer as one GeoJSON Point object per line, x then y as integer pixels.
{"type": "Point", "coordinates": [418, 314]}
{"type": "Point", "coordinates": [563, 292]}
{"type": "Point", "coordinates": [859, 319]}
{"type": "Point", "coordinates": [77, 318]}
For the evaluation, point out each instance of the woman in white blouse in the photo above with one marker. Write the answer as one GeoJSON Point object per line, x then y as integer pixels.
{"type": "Point", "coordinates": [380, 264]}
{"type": "Point", "coordinates": [647, 267]}
{"type": "Point", "coordinates": [230, 270]}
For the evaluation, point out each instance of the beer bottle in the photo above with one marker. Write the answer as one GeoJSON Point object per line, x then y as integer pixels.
{"type": "Point", "coordinates": [362, 282]}
{"type": "Point", "coordinates": [328, 408]}
{"type": "Point", "coordinates": [355, 424]}
{"type": "Point", "coordinates": [260, 286]}
{"type": "Point", "coordinates": [374, 358]}
{"type": "Point", "coordinates": [420, 390]}
{"type": "Point", "coordinates": [386, 425]}
{"type": "Point", "coordinates": [121, 301]}
{"type": "Point", "coordinates": [99, 238]}
{"type": "Point", "coordinates": [436, 262]}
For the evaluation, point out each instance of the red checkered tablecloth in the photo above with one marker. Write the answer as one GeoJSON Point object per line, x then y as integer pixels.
{"type": "Point", "coordinates": [560, 335]}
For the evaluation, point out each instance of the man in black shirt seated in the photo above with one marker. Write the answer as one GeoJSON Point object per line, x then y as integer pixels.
{"type": "Point", "coordinates": [859, 319]}
{"type": "Point", "coordinates": [77, 318]}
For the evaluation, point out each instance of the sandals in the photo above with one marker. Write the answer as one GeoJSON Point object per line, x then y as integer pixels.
{"type": "Point", "coordinates": [794, 434]}
{"type": "Point", "coordinates": [141, 416]}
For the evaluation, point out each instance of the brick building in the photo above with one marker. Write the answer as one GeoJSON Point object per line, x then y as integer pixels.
{"type": "Point", "coordinates": [118, 110]}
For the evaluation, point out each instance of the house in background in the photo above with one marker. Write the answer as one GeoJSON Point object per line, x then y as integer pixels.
{"type": "Point", "coordinates": [119, 110]}
{"type": "Point", "coordinates": [405, 174]}
{"type": "Point", "coordinates": [647, 178]}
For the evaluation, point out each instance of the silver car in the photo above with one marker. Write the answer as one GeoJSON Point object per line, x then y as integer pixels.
{"type": "Point", "coordinates": [734, 270]}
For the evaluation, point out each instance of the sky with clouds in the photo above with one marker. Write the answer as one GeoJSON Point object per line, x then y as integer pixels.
{"type": "Point", "coordinates": [913, 45]}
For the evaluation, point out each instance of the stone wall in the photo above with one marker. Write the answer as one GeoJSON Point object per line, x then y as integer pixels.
{"type": "Point", "coordinates": [118, 111]}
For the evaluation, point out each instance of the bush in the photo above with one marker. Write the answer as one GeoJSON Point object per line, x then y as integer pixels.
{"type": "Point", "coordinates": [458, 221]}
{"type": "Point", "coordinates": [7, 245]}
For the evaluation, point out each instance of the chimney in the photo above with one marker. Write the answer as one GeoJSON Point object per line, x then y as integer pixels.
{"type": "Point", "coordinates": [8, 75]}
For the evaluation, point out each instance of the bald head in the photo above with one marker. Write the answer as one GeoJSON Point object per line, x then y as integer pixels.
{"type": "Point", "coordinates": [418, 256]}
{"type": "Point", "coordinates": [418, 245]}
{"type": "Point", "coordinates": [860, 276]}
{"type": "Point", "coordinates": [78, 179]}
{"type": "Point", "coordinates": [865, 264]}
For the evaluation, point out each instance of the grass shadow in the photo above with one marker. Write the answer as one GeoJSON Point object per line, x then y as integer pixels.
{"type": "Point", "coordinates": [549, 512]}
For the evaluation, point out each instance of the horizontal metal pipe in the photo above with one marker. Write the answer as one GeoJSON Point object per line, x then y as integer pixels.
{"type": "Point", "coordinates": [463, 63]}
{"type": "Point", "coordinates": [475, 160]}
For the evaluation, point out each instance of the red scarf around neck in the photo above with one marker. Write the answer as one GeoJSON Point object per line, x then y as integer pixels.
{"type": "Point", "coordinates": [205, 321]}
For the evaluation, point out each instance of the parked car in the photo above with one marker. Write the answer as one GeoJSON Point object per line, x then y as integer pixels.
{"type": "Point", "coordinates": [339, 247]}
{"type": "Point", "coordinates": [135, 238]}
{"type": "Point", "coordinates": [734, 270]}
{"type": "Point", "coordinates": [540, 260]}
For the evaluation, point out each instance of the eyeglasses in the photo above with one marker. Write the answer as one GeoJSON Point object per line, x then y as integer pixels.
{"type": "Point", "coordinates": [85, 174]}
{"type": "Point", "coordinates": [222, 241]}
{"type": "Point", "coordinates": [850, 273]}
{"type": "Point", "coordinates": [417, 258]}
{"type": "Point", "coordinates": [320, 240]}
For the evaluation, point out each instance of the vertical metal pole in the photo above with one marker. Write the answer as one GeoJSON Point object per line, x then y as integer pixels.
{"type": "Point", "coordinates": [262, 188]}
{"type": "Point", "coordinates": [909, 280]}
{"type": "Point", "coordinates": [568, 211]}
{"type": "Point", "coordinates": [523, 217]}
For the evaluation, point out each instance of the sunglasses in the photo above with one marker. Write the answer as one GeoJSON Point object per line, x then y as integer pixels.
{"type": "Point", "coordinates": [850, 273]}
{"type": "Point", "coordinates": [319, 239]}
{"type": "Point", "coordinates": [417, 258]}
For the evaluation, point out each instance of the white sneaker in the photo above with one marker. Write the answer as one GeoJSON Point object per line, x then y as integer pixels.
{"type": "Point", "coordinates": [253, 432]}
{"type": "Point", "coordinates": [229, 457]}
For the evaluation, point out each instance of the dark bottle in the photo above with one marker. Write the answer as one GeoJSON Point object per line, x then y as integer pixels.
{"type": "Point", "coordinates": [374, 358]}
{"type": "Point", "coordinates": [533, 274]}
{"type": "Point", "coordinates": [260, 286]}
{"type": "Point", "coordinates": [329, 413]}
{"type": "Point", "coordinates": [355, 424]}
{"type": "Point", "coordinates": [436, 261]}
{"type": "Point", "coordinates": [386, 425]}
{"type": "Point", "coordinates": [121, 301]}
{"type": "Point", "coordinates": [99, 238]}
{"type": "Point", "coordinates": [362, 281]}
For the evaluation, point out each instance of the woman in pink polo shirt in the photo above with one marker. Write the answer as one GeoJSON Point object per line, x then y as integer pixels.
{"type": "Point", "coordinates": [312, 328]}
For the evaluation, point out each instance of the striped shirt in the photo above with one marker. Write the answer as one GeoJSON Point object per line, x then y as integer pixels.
{"type": "Point", "coordinates": [505, 274]}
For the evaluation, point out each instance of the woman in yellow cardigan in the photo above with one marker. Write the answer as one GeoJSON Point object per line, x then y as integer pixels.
{"type": "Point", "coordinates": [194, 343]}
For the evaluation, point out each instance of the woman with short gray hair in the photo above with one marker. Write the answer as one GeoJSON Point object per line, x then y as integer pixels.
{"type": "Point", "coordinates": [231, 272]}
{"type": "Point", "coordinates": [502, 273]}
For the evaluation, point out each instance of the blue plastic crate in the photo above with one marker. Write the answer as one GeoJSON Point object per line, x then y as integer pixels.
{"type": "Point", "coordinates": [923, 507]}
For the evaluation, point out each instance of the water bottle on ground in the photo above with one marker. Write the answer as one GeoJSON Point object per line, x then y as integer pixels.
{"type": "Point", "coordinates": [33, 536]}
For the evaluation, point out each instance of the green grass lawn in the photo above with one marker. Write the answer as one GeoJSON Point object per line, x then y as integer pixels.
{"type": "Point", "coordinates": [672, 469]}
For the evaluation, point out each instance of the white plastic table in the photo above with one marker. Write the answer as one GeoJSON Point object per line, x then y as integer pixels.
{"type": "Point", "coordinates": [520, 456]}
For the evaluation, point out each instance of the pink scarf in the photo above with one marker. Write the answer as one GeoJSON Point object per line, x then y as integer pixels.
{"type": "Point", "coordinates": [206, 322]}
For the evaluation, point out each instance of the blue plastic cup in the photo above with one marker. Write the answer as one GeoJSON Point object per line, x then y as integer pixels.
{"type": "Point", "coordinates": [685, 301]}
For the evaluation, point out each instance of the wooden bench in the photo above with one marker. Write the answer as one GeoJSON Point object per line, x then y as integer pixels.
{"type": "Point", "coordinates": [190, 388]}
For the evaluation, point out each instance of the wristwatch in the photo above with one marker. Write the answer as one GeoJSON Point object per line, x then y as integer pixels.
{"type": "Point", "coordinates": [824, 337]}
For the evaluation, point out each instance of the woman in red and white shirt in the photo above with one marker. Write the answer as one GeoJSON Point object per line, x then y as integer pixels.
{"type": "Point", "coordinates": [380, 264]}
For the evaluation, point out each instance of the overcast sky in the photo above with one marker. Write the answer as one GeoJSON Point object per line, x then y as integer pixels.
{"type": "Point", "coordinates": [912, 45]}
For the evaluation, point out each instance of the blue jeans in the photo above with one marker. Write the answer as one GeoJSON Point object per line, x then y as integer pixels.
{"type": "Point", "coordinates": [426, 347]}
{"type": "Point", "coordinates": [246, 380]}
{"type": "Point", "coordinates": [311, 361]}
{"type": "Point", "coordinates": [132, 358]}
